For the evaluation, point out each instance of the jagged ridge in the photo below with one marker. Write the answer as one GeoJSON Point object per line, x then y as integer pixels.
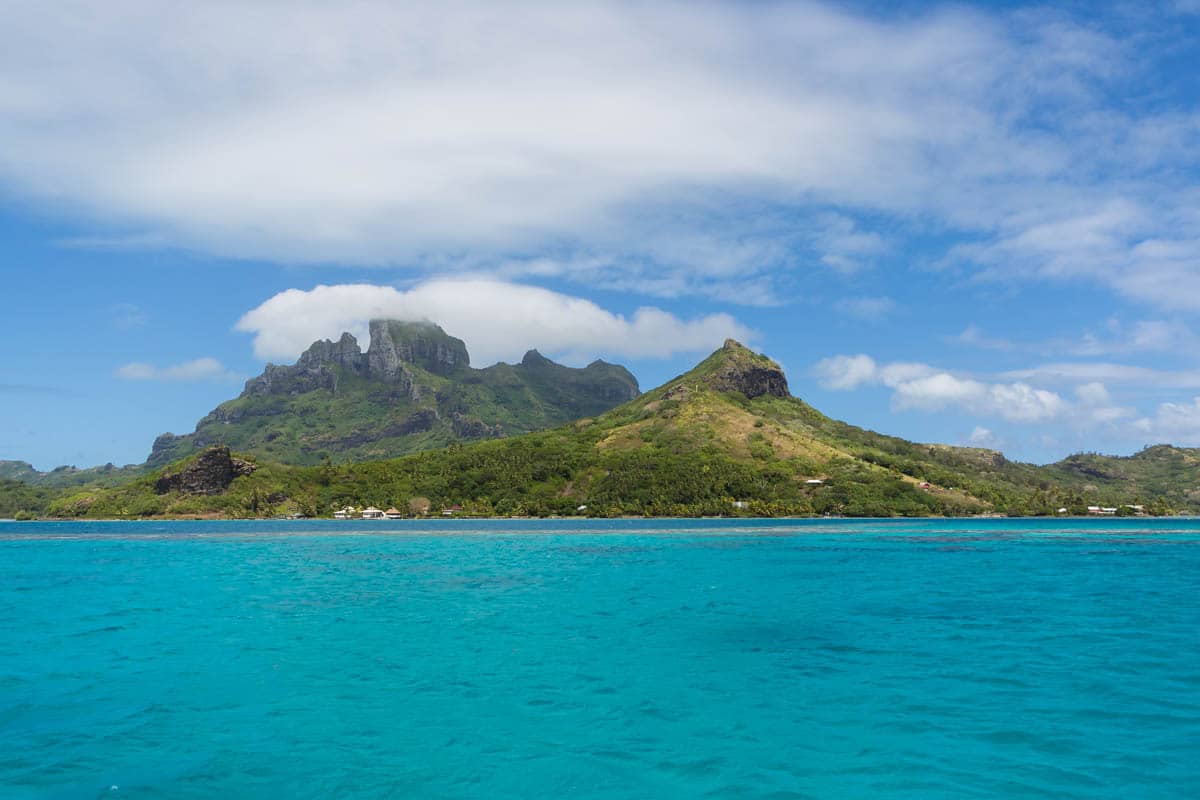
{"type": "Point", "coordinates": [412, 389]}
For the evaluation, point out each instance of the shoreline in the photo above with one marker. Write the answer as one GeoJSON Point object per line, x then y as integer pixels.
{"type": "Point", "coordinates": [439, 519]}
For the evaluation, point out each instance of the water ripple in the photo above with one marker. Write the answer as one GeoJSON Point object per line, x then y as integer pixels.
{"type": "Point", "coordinates": [632, 658]}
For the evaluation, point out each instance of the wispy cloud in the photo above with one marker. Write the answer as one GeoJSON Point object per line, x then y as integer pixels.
{"type": "Point", "coordinates": [974, 336]}
{"type": "Point", "coordinates": [983, 437]}
{"type": "Point", "coordinates": [922, 387]}
{"type": "Point", "coordinates": [770, 139]}
{"type": "Point", "coordinates": [1116, 338]}
{"type": "Point", "coordinates": [1178, 423]}
{"type": "Point", "coordinates": [1023, 398]}
{"type": "Point", "coordinates": [34, 389]}
{"type": "Point", "coordinates": [200, 369]}
{"type": "Point", "coordinates": [118, 242]}
{"type": "Point", "coordinates": [867, 309]}
{"type": "Point", "coordinates": [1072, 372]}
{"type": "Point", "coordinates": [1126, 237]}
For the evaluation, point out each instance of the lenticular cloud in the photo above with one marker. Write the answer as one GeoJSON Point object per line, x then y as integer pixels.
{"type": "Point", "coordinates": [497, 320]}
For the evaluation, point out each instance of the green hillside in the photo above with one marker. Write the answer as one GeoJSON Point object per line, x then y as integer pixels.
{"type": "Point", "coordinates": [21, 500]}
{"type": "Point", "coordinates": [724, 439]}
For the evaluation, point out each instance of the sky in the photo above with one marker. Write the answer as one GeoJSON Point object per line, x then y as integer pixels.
{"type": "Point", "coordinates": [969, 223]}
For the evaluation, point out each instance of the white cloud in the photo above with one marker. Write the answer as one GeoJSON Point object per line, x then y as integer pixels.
{"type": "Point", "coordinates": [935, 392]}
{"type": "Point", "coordinates": [1093, 393]}
{"type": "Point", "coordinates": [200, 369]}
{"type": "Point", "coordinates": [1115, 338]}
{"type": "Point", "coordinates": [1147, 249]}
{"type": "Point", "coordinates": [974, 336]}
{"type": "Point", "coordinates": [497, 320]}
{"type": "Point", "coordinates": [1078, 417]}
{"type": "Point", "coordinates": [1141, 336]}
{"type": "Point", "coordinates": [1015, 402]}
{"type": "Point", "coordinates": [1020, 402]}
{"type": "Point", "coordinates": [844, 246]}
{"type": "Point", "coordinates": [691, 145]}
{"type": "Point", "coordinates": [983, 437]}
{"type": "Point", "coordinates": [925, 388]}
{"type": "Point", "coordinates": [898, 372]}
{"type": "Point", "coordinates": [1108, 373]}
{"type": "Point", "coordinates": [1175, 422]}
{"type": "Point", "coordinates": [844, 373]}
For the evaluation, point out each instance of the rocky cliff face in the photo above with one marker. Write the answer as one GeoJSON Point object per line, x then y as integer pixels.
{"type": "Point", "coordinates": [317, 368]}
{"type": "Point", "coordinates": [344, 353]}
{"type": "Point", "coordinates": [211, 473]}
{"type": "Point", "coordinates": [741, 370]}
{"type": "Point", "coordinates": [393, 348]}
{"type": "Point", "coordinates": [394, 344]}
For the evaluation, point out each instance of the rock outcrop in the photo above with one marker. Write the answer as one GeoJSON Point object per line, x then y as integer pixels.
{"type": "Point", "coordinates": [741, 370]}
{"type": "Point", "coordinates": [470, 428]}
{"type": "Point", "coordinates": [394, 344]}
{"type": "Point", "coordinates": [210, 473]}
{"type": "Point", "coordinates": [344, 353]}
{"type": "Point", "coordinates": [416, 422]}
{"type": "Point", "coordinates": [317, 368]}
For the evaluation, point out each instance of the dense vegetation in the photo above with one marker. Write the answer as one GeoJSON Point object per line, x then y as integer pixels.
{"type": "Point", "coordinates": [724, 439]}
{"type": "Point", "coordinates": [23, 501]}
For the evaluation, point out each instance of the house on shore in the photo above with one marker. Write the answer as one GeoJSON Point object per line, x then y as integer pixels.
{"type": "Point", "coordinates": [371, 512]}
{"type": "Point", "coordinates": [393, 513]}
{"type": "Point", "coordinates": [345, 513]}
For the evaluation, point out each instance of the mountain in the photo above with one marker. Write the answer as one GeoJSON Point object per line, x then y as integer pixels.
{"type": "Point", "coordinates": [106, 474]}
{"type": "Point", "coordinates": [726, 438]}
{"type": "Point", "coordinates": [412, 389]}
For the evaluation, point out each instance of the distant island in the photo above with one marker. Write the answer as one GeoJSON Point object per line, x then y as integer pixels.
{"type": "Point", "coordinates": [724, 439]}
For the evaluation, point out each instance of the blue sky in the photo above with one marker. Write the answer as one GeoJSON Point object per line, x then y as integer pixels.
{"type": "Point", "coordinates": [971, 224]}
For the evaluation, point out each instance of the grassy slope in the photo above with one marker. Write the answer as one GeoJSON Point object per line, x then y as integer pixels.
{"type": "Point", "coordinates": [681, 449]}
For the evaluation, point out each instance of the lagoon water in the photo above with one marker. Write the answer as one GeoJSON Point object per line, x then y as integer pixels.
{"type": "Point", "coordinates": [843, 659]}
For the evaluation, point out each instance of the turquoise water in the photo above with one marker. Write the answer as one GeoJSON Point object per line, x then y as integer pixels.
{"type": "Point", "coordinates": [919, 659]}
